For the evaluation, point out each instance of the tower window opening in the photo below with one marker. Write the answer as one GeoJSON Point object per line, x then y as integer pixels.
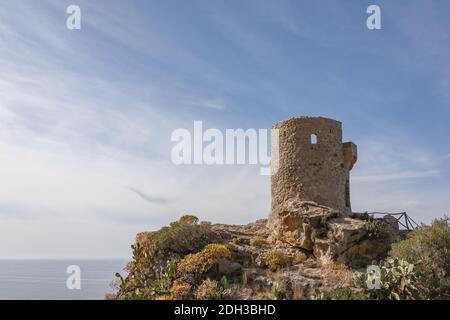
{"type": "Point", "coordinates": [313, 138]}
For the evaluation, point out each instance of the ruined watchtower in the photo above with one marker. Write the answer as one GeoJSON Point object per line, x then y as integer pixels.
{"type": "Point", "coordinates": [313, 163]}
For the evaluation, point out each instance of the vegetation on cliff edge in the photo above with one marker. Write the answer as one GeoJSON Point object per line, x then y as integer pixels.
{"type": "Point", "coordinates": [191, 260]}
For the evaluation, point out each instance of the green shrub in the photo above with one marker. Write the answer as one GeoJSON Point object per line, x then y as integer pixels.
{"type": "Point", "coordinates": [206, 224]}
{"type": "Point", "coordinates": [332, 215]}
{"type": "Point", "coordinates": [180, 290]}
{"type": "Point", "coordinates": [360, 215]}
{"type": "Point", "coordinates": [235, 241]}
{"type": "Point", "coordinates": [428, 247]}
{"type": "Point", "coordinates": [375, 228]}
{"type": "Point", "coordinates": [155, 255]}
{"type": "Point", "coordinates": [275, 260]}
{"type": "Point", "coordinates": [164, 275]}
{"type": "Point", "coordinates": [397, 281]}
{"type": "Point", "coordinates": [180, 239]}
{"type": "Point", "coordinates": [340, 293]}
{"type": "Point", "coordinates": [192, 267]}
{"type": "Point", "coordinates": [257, 242]}
{"type": "Point", "coordinates": [224, 284]}
{"type": "Point", "coordinates": [137, 284]}
{"type": "Point", "coordinates": [281, 286]}
{"type": "Point", "coordinates": [211, 290]}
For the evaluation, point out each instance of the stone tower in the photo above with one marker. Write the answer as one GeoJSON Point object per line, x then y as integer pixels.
{"type": "Point", "coordinates": [312, 163]}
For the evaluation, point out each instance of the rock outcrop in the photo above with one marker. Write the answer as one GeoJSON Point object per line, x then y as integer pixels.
{"type": "Point", "coordinates": [330, 235]}
{"type": "Point", "coordinates": [307, 248]}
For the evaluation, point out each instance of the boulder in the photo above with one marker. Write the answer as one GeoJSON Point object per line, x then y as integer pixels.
{"type": "Point", "coordinates": [364, 252]}
{"type": "Point", "coordinates": [227, 267]}
{"type": "Point", "coordinates": [348, 242]}
{"type": "Point", "coordinates": [299, 222]}
{"type": "Point", "coordinates": [392, 227]}
{"type": "Point", "coordinates": [325, 250]}
{"type": "Point", "coordinates": [330, 236]}
{"type": "Point", "coordinates": [345, 231]}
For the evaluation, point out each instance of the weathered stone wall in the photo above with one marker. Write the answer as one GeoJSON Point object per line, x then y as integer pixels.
{"type": "Point", "coordinates": [312, 172]}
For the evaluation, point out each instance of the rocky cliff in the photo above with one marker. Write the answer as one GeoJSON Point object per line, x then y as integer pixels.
{"type": "Point", "coordinates": [307, 248]}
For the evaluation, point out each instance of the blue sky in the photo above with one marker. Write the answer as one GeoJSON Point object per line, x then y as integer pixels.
{"type": "Point", "coordinates": [86, 115]}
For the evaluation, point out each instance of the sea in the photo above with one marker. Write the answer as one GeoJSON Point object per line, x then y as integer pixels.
{"type": "Point", "coordinates": [47, 279]}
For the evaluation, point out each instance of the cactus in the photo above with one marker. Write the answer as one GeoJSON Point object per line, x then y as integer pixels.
{"type": "Point", "coordinates": [397, 281]}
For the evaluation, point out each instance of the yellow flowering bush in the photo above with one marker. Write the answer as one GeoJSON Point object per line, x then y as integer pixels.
{"type": "Point", "coordinates": [193, 266]}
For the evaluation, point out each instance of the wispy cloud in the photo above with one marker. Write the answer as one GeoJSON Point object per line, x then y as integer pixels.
{"type": "Point", "coordinates": [148, 198]}
{"type": "Point", "coordinates": [214, 104]}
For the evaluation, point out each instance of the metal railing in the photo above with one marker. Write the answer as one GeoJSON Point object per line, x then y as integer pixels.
{"type": "Point", "coordinates": [402, 218]}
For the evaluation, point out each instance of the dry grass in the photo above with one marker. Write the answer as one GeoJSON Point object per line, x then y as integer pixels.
{"type": "Point", "coordinates": [276, 259]}
{"type": "Point", "coordinates": [244, 278]}
{"type": "Point", "coordinates": [298, 292]}
{"type": "Point", "coordinates": [334, 266]}
{"type": "Point", "coordinates": [180, 290]}
{"type": "Point", "coordinates": [299, 257]}
{"type": "Point", "coordinates": [208, 290]}
{"type": "Point", "coordinates": [337, 278]}
{"type": "Point", "coordinates": [257, 242]}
